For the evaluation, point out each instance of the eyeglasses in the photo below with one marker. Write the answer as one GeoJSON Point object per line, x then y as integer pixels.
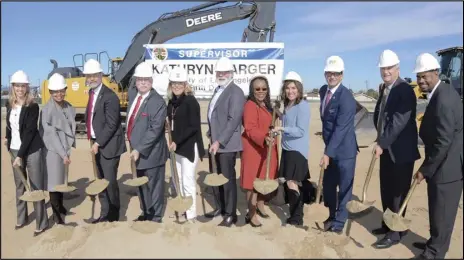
{"type": "Point", "coordinates": [260, 89]}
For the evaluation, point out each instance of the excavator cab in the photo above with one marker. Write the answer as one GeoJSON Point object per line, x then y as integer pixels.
{"type": "Point", "coordinates": [451, 67]}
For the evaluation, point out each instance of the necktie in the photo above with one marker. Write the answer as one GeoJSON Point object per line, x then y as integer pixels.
{"type": "Point", "coordinates": [327, 99]}
{"type": "Point", "coordinates": [380, 120]}
{"type": "Point", "coordinates": [89, 115]}
{"type": "Point", "coordinates": [132, 117]}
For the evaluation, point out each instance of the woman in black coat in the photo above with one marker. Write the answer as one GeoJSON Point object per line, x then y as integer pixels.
{"type": "Point", "coordinates": [187, 142]}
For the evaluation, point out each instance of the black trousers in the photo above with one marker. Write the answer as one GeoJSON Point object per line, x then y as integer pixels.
{"type": "Point", "coordinates": [443, 199]}
{"type": "Point", "coordinates": [107, 168]}
{"type": "Point", "coordinates": [56, 202]}
{"type": "Point", "coordinates": [395, 181]}
{"type": "Point", "coordinates": [228, 192]}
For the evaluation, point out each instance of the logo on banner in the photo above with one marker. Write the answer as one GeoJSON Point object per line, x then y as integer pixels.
{"type": "Point", "coordinates": [160, 53]}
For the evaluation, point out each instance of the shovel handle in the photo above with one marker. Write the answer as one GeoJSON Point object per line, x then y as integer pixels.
{"type": "Point", "coordinates": [319, 186]}
{"type": "Point", "coordinates": [269, 145]}
{"type": "Point", "coordinates": [94, 162]}
{"type": "Point", "coordinates": [408, 197]}
{"type": "Point", "coordinates": [368, 177]}
{"type": "Point", "coordinates": [22, 174]}
{"type": "Point", "coordinates": [173, 160]}
{"type": "Point", "coordinates": [66, 174]}
{"type": "Point", "coordinates": [133, 167]}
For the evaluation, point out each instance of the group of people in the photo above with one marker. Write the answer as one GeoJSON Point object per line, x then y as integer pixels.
{"type": "Point", "coordinates": [239, 124]}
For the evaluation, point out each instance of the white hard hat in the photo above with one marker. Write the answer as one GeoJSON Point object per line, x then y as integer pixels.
{"type": "Point", "coordinates": [224, 64]}
{"type": "Point", "coordinates": [426, 62]}
{"type": "Point", "coordinates": [19, 77]}
{"type": "Point", "coordinates": [92, 66]}
{"type": "Point", "coordinates": [178, 74]}
{"type": "Point", "coordinates": [56, 82]}
{"type": "Point", "coordinates": [291, 75]}
{"type": "Point", "coordinates": [144, 70]}
{"type": "Point", "coordinates": [388, 58]}
{"type": "Point", "coordinates": [334, 64]}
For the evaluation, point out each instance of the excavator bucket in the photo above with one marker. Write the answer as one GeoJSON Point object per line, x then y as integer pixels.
{"type": "Point", "coordinates": [366, 132]}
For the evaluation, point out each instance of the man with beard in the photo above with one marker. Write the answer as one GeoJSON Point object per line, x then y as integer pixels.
{"type": "Point", "coordinates": [106, 136]}
{"type": "Point", "coordinates": [441, 132]}
{"type": "Point", "coordinates": [225, 113]}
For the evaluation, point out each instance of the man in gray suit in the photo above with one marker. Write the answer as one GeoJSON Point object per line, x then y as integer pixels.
{"type": "Point", "coordinates": [145, 130]}
{"type": "Point", "coordinates": [441, 132]}
{"type": "Point", "coordinates": [225, 113]}
{"type": "Point", "coordinates": [104, 130]}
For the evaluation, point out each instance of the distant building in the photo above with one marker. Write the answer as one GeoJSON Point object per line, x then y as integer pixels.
{"type": "Point", "coordinates": [312, 96]}
{"type": "Point", "coordinates": [361, 97]}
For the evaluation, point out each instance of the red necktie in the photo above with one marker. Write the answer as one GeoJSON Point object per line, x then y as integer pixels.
{"type": "Point", "coordinates": [327, 99]}
{"type": "Point", "coordinates": [89, 115]}
{"type": "Point", "coordinates": [132, 117]}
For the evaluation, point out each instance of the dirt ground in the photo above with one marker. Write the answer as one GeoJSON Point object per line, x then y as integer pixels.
{"type": "Point", "coordinates": [204, 238]}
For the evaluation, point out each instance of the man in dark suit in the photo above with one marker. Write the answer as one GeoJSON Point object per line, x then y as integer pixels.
{"type": "Point", "coordinates": [338, 110]}
{"type": "Point", "coordinates": [146, 115]}
{"type": "Point", "coordinates": [395, 119]}
{"type": "Point", "coordinates": [225, 113]}
{"type": "Point", "coordinates": [441, 132]}
{"type": "Point", "coordinates": [104, 130]}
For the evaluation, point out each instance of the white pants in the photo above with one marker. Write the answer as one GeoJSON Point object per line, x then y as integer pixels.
{"type": "Point", "coordinates": [186, 170]}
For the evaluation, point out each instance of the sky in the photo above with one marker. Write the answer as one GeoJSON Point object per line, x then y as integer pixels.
{"type": "Point", "coordinates": [33, 33]}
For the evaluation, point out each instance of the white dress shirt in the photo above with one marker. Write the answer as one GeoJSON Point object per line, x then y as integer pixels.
{"type": "Point", "coordinates": [216, 97]}
{"type": "Point", "coordinates": [135, 102]}
{"type": "Point", "coordinates": [95, 96]}
{"type": "Point", "coordinates": [15, 143]}
{"type": "Point", "coordinates": [429, 96]}
{"type": "Point", "coordinates": [332, 90]}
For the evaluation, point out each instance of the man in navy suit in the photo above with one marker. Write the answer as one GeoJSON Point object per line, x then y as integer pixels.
{"type": "Point", "coordinates": [338, 109]}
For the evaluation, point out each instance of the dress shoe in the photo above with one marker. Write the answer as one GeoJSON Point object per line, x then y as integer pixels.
{"type": "Point", "coordinates": [39, 232]}
{"type": "Point", "coordinates": [421, 256]}
{"type": "Point", "coordinates": [261, 214]}
{"type": "Point", "coordinates": [140, 218]}
{"type": "Point", "coordinates": [100, 219]}
{"type": "Point", "coordinates": [214, 213]}
{"type": "Point", "coordinates": [327, 224]}
{"type": "Point", "coordinates": [335, 230]}
{"type": "Point", "coordinates": [248, 221]}
{"type": "Point", "coordinates": [385, 242]}
{"type": "Point", "coordinates": [380, 231]}
{"type": "Point", "coordinates": [419, 245]}
{"type": "Point", "coordinates": [20, 226]}
{"type": "Point", "coordinates": [228, 221]}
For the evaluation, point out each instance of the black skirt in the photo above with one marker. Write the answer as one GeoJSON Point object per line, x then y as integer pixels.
{"type": "Point", "coordinates": [293, 166]}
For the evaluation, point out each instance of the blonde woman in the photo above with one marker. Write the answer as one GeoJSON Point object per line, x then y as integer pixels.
{"type": "Point", "coordinates": [25, 146]}
{"type": "Point", "coordinates": [187, 141]}
{"type": "Point", "coordinates": [58, 130]}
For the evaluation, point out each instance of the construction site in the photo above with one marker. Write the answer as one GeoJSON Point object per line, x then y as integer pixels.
{"type": "Point", "coordinates": [204, 239]}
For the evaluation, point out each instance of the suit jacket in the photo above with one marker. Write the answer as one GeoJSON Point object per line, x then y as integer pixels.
{"type": "Point", "coordinates": [441, 132]}
{"type": "Point", "coordinates": [28, 130]}
{"type": "Point", "coordinates": [400, 127]}
{"type": "Point", "coordinates": [107, 123]}
{"type": "Point", "coordinates": [338, 129]}
{"type": "Point", "coordinates": [148, 132]}
{"type": "Point", "coordinates": [58, 128]}
{"type": "Point", "coordinates": [226, 119]}
{"type": "Point", "coordinates": [187, 126]}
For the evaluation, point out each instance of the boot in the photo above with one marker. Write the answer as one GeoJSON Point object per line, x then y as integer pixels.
{"type": "Point", "coordinates": [62, 208]}
{"type": "Point", "coordinates": [55, 203]}
{"type": "Point", "coordinates": [295, 201]}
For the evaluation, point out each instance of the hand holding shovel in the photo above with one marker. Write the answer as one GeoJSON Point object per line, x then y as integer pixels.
{"type": "Point", "coordinates": [214, 179]}
{"type": "Point", "coordinates": [29, 195]}
{"type": "Point", "coordinates": [317, 211]}
{"type": "Point", "coordinates": [135, 181]}
{"type": "Point", "coordinates": [181, 203]}
{"type": "Point", "coordinates": [395, 221]}
{"type": "Point", "coordinates": [65, 187]}
{"type": "Point", "coordinates": [356, 206]}
{"type": "Point", "coordinates": [97, 185]}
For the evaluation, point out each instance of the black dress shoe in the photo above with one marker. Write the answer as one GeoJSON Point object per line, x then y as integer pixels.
{"type": "Point", "coordinates": [228, 221]}
{"type": "Point", "coordinates": [261, 214]}
{"type": "Point", "coordinates": [380, 231]}
{"type": "Point", "coordinates": [214, 213]}
{"type": "Point", "coordinates": [36, 233]}
{"type": "Point", "coordinates": [385, 242]}
{"type": "Point", "coordinates": [140, 218]}
{"type": "Point", "coordinates": [100, 219]}
{"type": "Point", "coordinates": [248, 221]}
{"type": "Point", "coordinates": [327, 224]}
{"type": "Point", "coordinates": [20, 226]}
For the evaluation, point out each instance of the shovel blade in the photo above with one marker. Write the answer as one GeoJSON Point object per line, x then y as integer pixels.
{"type": "Point", "coordinates": [318, 212]}
{"type": "Point", "coordinates": [33, 196]}
{"type": "Point", "coordinates": [96, 187]}
{"type": "Point", "coordinates": [395, 222]}
{"type": "Point", "coordinates": [137, 181]}
{"type": "Point", "coordinates": [64, 188]}
{"type": "Point", "coordinates": [265, 186]}
{"type": "Point", "coordinates": [180, 204]}
{"type": "Point", "coordinates": [354, 206]}
{"type": "Point", "coordinates": [215, 180]}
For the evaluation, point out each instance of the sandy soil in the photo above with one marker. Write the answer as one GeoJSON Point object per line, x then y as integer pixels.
{"type": "Point", "coordinates": [203, 239]}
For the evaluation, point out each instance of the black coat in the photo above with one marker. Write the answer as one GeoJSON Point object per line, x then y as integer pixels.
{"type": "Point", "coordinates": [31, 141]}
{"type": "Point", "coordinates": [187, 126]}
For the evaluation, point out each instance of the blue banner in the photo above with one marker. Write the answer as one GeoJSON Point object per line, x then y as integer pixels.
{"type": "Point", "coordinates": [214, 53]}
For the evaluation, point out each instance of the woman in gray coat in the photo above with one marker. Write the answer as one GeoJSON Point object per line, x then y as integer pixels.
{"type": "Point", "coordinates": [57, 128]}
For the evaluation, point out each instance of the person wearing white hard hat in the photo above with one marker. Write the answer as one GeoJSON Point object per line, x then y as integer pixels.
{"type": "Point", "coordinates": [337, 110]}
{"type": "Point", "coordinates": [442, 168]}
{"type": "Point", "coordinates": [187, 141]}
{"type": "Point", "coordinates": [397, 140]}
{"type": "Point", "coordinates": [146, 114]}
{"type": "Point", "coordinates": [57, 128]}
{"type": "Point", "coordinates": [295, 144]}
{"type": "Point", "coordinates": [225, 114]}
{"type": "Point", "coordinates": [25, 147]}
{"type": "Point", "coordinates": [104, 130]}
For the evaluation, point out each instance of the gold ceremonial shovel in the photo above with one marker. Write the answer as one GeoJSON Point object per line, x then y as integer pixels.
{"type": "Point", "coordinates": [97, 185]}
{"type": "Point", "coordinates": [65, 187]}
{"type": "Point", "coordinates": [317, 211]}
{"type": "Point", "coordinates": [181, 203]}
{"type": "Point", "coordinates": [354, 206]}
{"type": "Point", "coordinates": [214, 179]}
{"type": "Point", "coordinates": [135, 181]}
{"type": "Point", "coordinates": [395, 221]}
{"type": "Point", "coordinates": [29, 195]}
